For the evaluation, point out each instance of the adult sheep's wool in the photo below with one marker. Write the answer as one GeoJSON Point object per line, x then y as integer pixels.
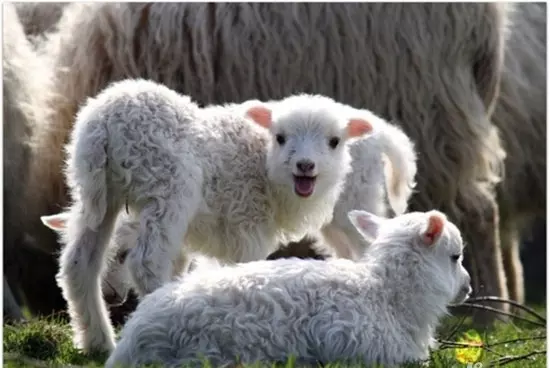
{"type": "Point", "coordinates": [431, 68]}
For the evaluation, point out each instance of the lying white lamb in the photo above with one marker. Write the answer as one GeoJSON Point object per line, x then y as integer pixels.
{"type": "Point", "coordinates": [382, 309]}
{"type": "Point", "coordinates": [230, 182]}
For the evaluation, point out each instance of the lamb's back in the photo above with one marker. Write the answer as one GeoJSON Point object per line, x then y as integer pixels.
{"type": "Point", "coordinates": [255, 310]}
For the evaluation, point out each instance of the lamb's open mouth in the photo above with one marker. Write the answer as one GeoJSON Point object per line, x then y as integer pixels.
{"type": "Point", "coordinates": [304, 185]}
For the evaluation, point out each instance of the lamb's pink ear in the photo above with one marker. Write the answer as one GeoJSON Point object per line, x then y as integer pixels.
{"type": "Point", "coordinates": [55, 222]}
{"type": "Point", "coordinates": [358, 127]}
{"type": "Point", "coordinates": [366, 223]}
{"type": "Point", "coordinates": [261, 115]}
{"type": "Point", "coordinates": [436, 223]}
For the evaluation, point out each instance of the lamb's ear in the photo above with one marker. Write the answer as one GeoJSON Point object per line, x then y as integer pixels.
{"type": "Point", "coordinates": [366, 223]}
{"type": "Point", "coordinates": [260, 114]}
{"type": "Point", "coordinates": [56, 222]}
{"type": "Point", "coordinates": [358, 127]}
{"type": "Point", "coordinates": [434, 228]}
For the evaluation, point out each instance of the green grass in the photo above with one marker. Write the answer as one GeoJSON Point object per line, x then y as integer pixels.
{"type": "Point", "coordinates": [47, 343]}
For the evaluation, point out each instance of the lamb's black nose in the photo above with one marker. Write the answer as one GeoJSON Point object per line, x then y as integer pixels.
{"type": "Point", "coordinates": [305, 166]}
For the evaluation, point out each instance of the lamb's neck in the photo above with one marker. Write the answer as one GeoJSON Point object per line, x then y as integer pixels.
{"type": "Point", "coordinates": [297, 216]}
{"type": "Point", "coordinates": [407, 295]}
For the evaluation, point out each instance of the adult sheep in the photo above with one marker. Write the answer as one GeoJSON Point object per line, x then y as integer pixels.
{"type": "Point", "coordinates": [30, 261]}
{"type": "Point", "coordinates": [27, 271]}
{"type": "Point", "coordinates": [434, 68]}
{"type": "Point", "coordinates": [520, 114]}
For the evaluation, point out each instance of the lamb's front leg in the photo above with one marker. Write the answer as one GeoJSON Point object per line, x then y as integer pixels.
{"type": "Point", "coordinates": [163, 224]}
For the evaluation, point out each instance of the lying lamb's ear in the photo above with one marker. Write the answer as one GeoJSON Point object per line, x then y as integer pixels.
{"type": "Point", "coordinates": [261, 115]}
{"type": "Point", "coordinates": [366, 223]}
{"type": "Point", "coordinates": [55, 222]}
{"type": "Point", "coordinates": [358, 127]}
{"type": "Point", "coordinates": [436, 223]}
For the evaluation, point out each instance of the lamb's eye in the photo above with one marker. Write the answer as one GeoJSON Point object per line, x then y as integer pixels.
{"type": "Point", "coordinates": [280, 139]}
{"type": "Point", "coordinates": [121, 257]}
{"type": "Point", "coordinates": [333, 142]}
{"type": "Point", "coordinates": [455, 257]}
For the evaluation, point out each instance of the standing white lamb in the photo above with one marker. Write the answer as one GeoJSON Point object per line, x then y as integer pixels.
{"type": "Point", "coordinates": [381, 309]}
{"type": "Point", "coordinates": [229, 182]}
{"type": "Point", "coordinates": [372, 184]}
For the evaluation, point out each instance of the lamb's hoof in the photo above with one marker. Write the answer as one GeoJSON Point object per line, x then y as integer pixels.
{"type": "Point", "coordinates": [96, 348]}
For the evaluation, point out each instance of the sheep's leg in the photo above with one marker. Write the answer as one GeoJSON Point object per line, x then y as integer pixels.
{"type": "Point", "coordinates": [481, 229]}
{"type": "Point", "coordinates": [12, 311]}
{"type": "Point", "coordinates": [163, 224]}
{"type": "Point", "coordinates": [81, 265]}
{"type": "Point", "coordinates": [510, 238]}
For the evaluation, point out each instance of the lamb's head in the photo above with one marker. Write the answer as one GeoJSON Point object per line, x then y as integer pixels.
{"type": "Point", "coordinates": [426, 241]}
{"type": "Point", "coordinates": [115, 282]}
{"type": "Point", "coordinates": [308, 151]}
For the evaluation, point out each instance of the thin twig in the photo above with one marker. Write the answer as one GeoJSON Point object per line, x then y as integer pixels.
{"type": "Point", "coordinates": [456, 327]}
{"type": "Point", "coordinates": [509, 359]}
{"type": "Point", "coordinates": [522, 339]}
{"type": "Point", "coordinates": [531, 311]}
{"type": "Point", "coordinates": [488, 349]}
{"type": "Point", "coordinates": [491, 309]}
{"type": "Point", "coordinates": [449, 344]}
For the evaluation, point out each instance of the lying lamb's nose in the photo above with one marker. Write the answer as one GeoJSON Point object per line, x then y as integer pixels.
{"type": "Point", "coordinates": [305, 166]}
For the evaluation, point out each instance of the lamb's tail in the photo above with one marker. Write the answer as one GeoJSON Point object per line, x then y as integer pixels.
{"type": "Point", "coordinates": [86, 168]}
{"type": "Point", "coordinates": [399, 167]}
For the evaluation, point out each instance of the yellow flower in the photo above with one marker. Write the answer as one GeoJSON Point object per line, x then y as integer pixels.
{"type": "Point", "coordinates": [472, 353]}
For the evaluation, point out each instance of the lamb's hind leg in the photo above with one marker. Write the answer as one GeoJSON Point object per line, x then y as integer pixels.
{"type": "Point", "coordinates": [80, 267]}
{"type": "Point", "coordinates": [163, 225]}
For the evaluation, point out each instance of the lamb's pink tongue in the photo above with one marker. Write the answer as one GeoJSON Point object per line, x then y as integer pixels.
{"type": "Point", "coordinates": [304, 186]}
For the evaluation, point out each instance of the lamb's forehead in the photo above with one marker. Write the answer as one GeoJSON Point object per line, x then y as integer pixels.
{"type": "Point", "coordinates": [417, 221]}
{"type": "Point", "coordinates": [456, 244]}
{"type": "Point", "coordinates": [301, 114]}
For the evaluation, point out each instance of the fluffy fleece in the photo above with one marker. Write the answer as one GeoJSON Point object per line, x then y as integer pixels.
{"type": "Point", "coordinates": [367, 186]}
{"type": "Point", "coordinates": [382, 309]}
{"type": "Point", "coordinates": [433, 68]}
{"type": "Point", "coordinates": [28, 272]}
{"type": "Point", "coordinates": [39, 18]}
{"type": "Point", "coordinates": [227, 181]}
{"type": "Point", "coordinates": [520, 115]}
